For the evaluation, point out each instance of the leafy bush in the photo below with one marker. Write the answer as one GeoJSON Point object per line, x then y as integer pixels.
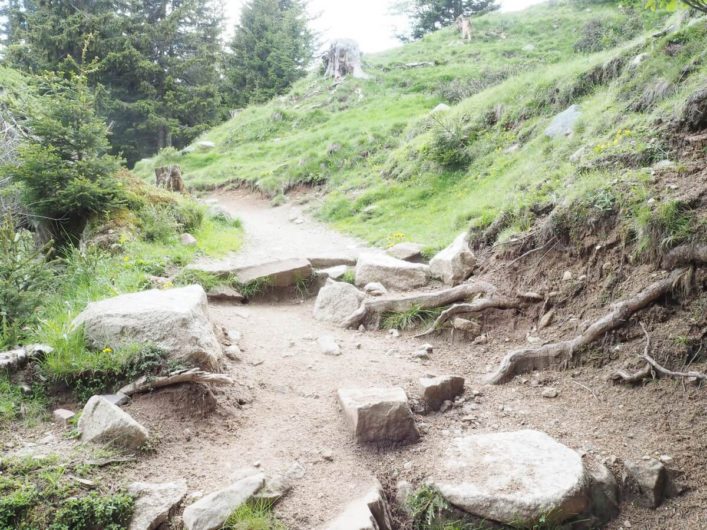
{"type": "Point", "coordinates": [64, 166]}
{"type": "Point", "coordinates": [450, 141]}
{"type": "Point", "coordinates": [95, 512]}
{"type": "Point", "coordinates": [24, 281]}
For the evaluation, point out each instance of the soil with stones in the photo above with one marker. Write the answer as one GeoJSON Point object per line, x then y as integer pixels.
{"type": "Point", "coordinates": [283, 414]}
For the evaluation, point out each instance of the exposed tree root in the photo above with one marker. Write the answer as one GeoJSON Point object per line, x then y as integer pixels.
{"type": "Point", "coordinates": [652, 368]}
{"type": "Point", "coordinates": [558, 353]}
{"type": "Point", "coordinates": [147, 383]}
{"type": "Point", "coordinates": [477, 306]}
{"type": "Point", "coordinates": [685, 255]}
{"type": "Point", "coordinates": [371, 310]}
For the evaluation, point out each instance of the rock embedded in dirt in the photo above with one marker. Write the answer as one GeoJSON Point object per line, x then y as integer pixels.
{"type": "Point", "coordinates": [437, 390]}
{"type": "Point", "coordinates": [63, 416]}
{"type": "Point", "coordinates": [550, 393]}
{"type": "Point", "coordinates": [328, 345]}
{"type": "Point", "coordinates": [375, 289]}
{"type": "Point", "coordinates": [563, 123]}
{"type": "Point", "coordinates": [455, 263]}
{"type": "Point", "coordinates": [154, 502]}
{"type": "Point", "coordinates": [513, 477]}
{"type": "Point", "coordinates": [336, 301]}
{"type": "Point", "coordinates": [391, 272]}
{"type": "Point", "coordinates": [405, 251]}
{"type": "Point", "coordinates": [116, 399]}
{"type": "Point", "coordinates": [212, 511]}
{"type": "Point", "coordinates": [335, 273]}
{"type": "Point", "coordinates": [174, 320]}
{"type": "Point", "coordinates": [379, 415]}
{"type": "Point", "coordinates": [370, 512]}
{"type": "Point", "coordinates": [103, 422]}
{"type": "Point", "coordinates": [469, 326]}
{"type": "Point", "coordinates": [546, 319]}
{"type": "Point", "coordinates": [652, 480]}
{"type": "Point", "coordinates": [224, 293]}
{"type": "Point", "coordinates": [187, 240]}
{"type": "Point", "coordinates": [603, 490]}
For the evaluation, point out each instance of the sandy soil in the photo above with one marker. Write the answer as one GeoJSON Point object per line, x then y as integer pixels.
{"type": "Point", "coordinates": [283, 410]}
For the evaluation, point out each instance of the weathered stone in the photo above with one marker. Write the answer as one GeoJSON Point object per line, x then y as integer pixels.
{"type": "Point", "coordinates": [391, 272]}
{"type": "Point", "coordinates": [406, 251]}
{"type": "Point", "coordinates": [63, 416]}
{"type": "Point", "coordinates": [328, 345]}
{"type": "Point", "coordinates": [370, 512]}
{"type": "Point", "coordinates": [455, 263]}
{"type": "Point", "coordinates": [513, 478]}
{"type": "Point", "coordinates": [335, 273]}
{"type": "Point", "coordinates": [224, 293]}
{"type": "Point", "coordinates": [375, 289]}
{"type": "Point", "coordinates": [174, 320]}
{"type": "Point", "coordinates": [211, 511]}
{"type": "Point", "coordinates": [324, 262]}
{"type": "Point", "coordinates": [550, 393]}
{"type": "Point", "coordinates": [378, 414]}
{"type": "Point", "coordinates": [652, 480]}
{"type": "Point", "coordinates": [603, 490]}
{"type": "Point", "coordinates": [437, 390]}
{"type": "Point", "coordinates": [336, 301]}
{"type": "Point", "coordinates": [563, 123]}
{"type": "Point", "coordinates": [103, 422]}
{"type": "Point", "coordinates": [154, 502]}
{"type": "Point", "coordinates": [464, 324]}
{"type": "Point", "coordinates": [546, 319]}
{"type": "Point", "coordinates": [187, 240]}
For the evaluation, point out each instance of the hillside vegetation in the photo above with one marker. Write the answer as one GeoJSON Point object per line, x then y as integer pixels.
{"type": "Point", "coordinates": [394, 170]}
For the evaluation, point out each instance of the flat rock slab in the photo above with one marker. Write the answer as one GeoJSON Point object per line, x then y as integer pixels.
{"type": "Point", "coordinates": [224, 293]}
{"type": "Point", "coordinates": [336, 301]}
{"type": "Point", "coordinates": [563, 123]}
{"type": "Point", "coordinates": [212, 511]}
{"type": "Point", "coordinates": [437, 390]}
{"type": "Point", "coordinates": [513, 477]}
{"type": "Point", "coordinates": [405, 251]}
{"type": "Point", "coordinates": [325, 262]}
{"type": "Point", "coordinates": [154, 502]}
{"type": "Point", "coordinates": [174, 320]}
{"type": "Point", "coordinates": [391, 272]}
{"type": "Point", "coordinates": [370, 512]}
{"type": "Point", "coordinates": [455, 263]}
{"type": "Point", "coordinates": [379, 415]}
{"type": "Point", "coordinates": [283, 273]}
{"type": "Point", "coordinates": [103, 422]}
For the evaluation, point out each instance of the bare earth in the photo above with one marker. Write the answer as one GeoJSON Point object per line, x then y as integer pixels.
{"type": "Point", "coordinates": [283, 410]}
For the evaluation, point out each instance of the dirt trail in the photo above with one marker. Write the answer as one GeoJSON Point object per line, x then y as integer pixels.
{"type": "Point", "coordinates": [291, 417]}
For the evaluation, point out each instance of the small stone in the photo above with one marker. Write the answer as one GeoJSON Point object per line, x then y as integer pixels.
{"type": "Point", "coordinates": [481, 339]}
{"type": "Point", "coordinates": [375, 289]}
{"type": "Point", "coordinates": [187, 240]}
{"type": "Point", "coordinates": [328, 455]}
{"type": "Point", "coordinates": [394, 333]}
{"type": "Point", "coordinates": [440, 390]}
{"type": "Point", "coordinates": [232, 352]}
{"type": "Point", "coordinates": [328, 345]}
{"type": "Point", "coordinates": [446, 406]}
{"type": "Point", "coordinates": [550, 393]}
{"type": "Point", "coordinates": [567, 276]}
{"type": "Point", "coordinates": [547, 319]}
{"type": "Point", "coordinates": [666, 459]}
{"type": "Point", "coordinates": [63, 416]}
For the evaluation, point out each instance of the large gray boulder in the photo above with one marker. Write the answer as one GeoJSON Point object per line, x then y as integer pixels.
{"type": "Point", "coordinates": [175, 320]}
{"type": "Point", "coordinates": [378, 415]}
{"type": "Point", "coordinates": [369, 512]}
{"type": "Point", "coordinates": [513, 477]}
{"type": "Point", "coordinates": [563, 123]}
{"type": "Point", "coordinates": [455, 263]}
{"type": "Point", "coordinates": [212, 511]}
{"type": "Point", "coordinates": [336, 301]}
{"type": "Point", "coordinates": [391, 272]}
{"type": "Point", "coordinates": [102, 422]}
{"type": "Point", "coordinates": [154, 502]}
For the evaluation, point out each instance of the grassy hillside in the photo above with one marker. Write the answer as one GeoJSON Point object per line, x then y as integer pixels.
{"type": "Point", "coordinates": [395, 170]}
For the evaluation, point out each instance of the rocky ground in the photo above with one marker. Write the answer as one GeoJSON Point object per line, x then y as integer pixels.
{"type": "Point", "coordinates": [283, 414]}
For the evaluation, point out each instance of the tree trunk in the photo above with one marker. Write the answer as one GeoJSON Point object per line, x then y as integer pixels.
{"type": "Point", "coordinates": [342, 59]}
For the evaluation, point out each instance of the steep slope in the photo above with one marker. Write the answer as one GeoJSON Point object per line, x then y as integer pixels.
{"type": "Point", "coordinates": [394, 170]}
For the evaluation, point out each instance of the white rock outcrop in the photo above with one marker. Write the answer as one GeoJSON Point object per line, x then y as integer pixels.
{"type": "Point", "coordinates": [513, 477]}
{"type": "Point", "coordinates": [175, 320]}
{"type": "Point", "coordinates": [336, 301]}
{"type": "Point", "coordinates": [378, 415]}
{"type": "Point", "coordinates": [212, 511]}
{"type": "Point", "coordinates": [393, 273]}
{"type": "Point", "coordinates": [154, 502]}
{"type": "Point", "coordinates": [105, 423]}
{"type": "Point", "coordinates": [455, 263]}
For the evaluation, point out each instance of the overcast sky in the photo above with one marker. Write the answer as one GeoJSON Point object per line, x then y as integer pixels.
{"type": "Point", "coordinates": [367, 21]}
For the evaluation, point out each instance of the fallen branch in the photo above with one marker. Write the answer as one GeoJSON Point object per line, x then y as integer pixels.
{"type": "Point", "coordinates": [634, 378]}
{"type": "Point", "coordinates": [477, 306]}
{"type": "Point", "coordinates": [371, 310]}
{"type": "Point", "coordinates": [558, 353]}
{"type": "Point", "coordinates": [147, 383]}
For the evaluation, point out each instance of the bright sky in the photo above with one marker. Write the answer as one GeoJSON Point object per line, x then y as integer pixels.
{"type": "Point", "coordinates": [369, 22]}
